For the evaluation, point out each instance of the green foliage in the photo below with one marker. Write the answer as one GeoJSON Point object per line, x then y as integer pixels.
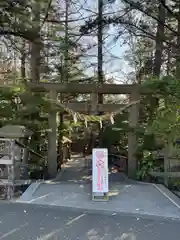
{"type": "Point", "coordinates": [116, 133]}
{"type": "Point", "coordinates": [147, 165]}
{"type": "Point", "coordinates": [166, 124]}
{"type": "Point", "coordinates": [18, 106]}
{"type": "Point", "coordinates": [18, 17]}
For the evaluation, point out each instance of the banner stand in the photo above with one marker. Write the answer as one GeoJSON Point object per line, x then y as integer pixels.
{"type": "Point", "coordinates": [100, 180]}
{"type": "Point", "coordinates": [100, 197]}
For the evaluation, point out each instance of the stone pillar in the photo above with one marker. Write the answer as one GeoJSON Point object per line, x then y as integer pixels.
{"type": "Point", "coordinates": [52, 139]}
{"type": "Point", "coordinates": [132, 139]}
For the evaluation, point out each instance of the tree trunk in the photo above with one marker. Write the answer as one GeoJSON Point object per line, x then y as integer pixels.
{"type": "Point", "coordinates": [36, 46]}
{"type": "Point", "coordinates": [178, 47]}
{"type": "Point", "coordinates": [159, 40]}
{"type": "Point", "coordinates": [23, 60]}
{"type": "Point", "coordinates": [158, 51]}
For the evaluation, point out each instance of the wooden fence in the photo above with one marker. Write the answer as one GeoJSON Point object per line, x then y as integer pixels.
{"type": "Point", "coordinates": [171, 167]}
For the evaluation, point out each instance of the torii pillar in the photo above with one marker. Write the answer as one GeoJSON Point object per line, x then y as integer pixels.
{"type": "Point", "coordinates": [132, 138]}
{"type": "Point", "coordinates": [52, 138]}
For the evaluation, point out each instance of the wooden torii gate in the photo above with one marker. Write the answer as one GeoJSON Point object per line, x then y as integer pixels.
{"type": "Point", "coordinates": [133, 90]}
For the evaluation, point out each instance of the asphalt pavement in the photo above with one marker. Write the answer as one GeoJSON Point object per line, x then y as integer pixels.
{"type": "Point", "coordinates": [32, 222]}
{"type": "Point", "coordinates": [73, 189]}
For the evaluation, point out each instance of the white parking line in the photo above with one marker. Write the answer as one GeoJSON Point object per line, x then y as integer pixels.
{"type": "Point", "coordinates": [168, 197]}
{"type": "Point", "coordinates": [41, 197]}
{"type": "Point", "coordinates": [13, 231]}
{"type": "Point", "coordinates": [53, 234]}
{"type": "Point", "coordinates": [75, 219]}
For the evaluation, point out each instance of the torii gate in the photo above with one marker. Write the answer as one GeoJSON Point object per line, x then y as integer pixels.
{"type": "Point", "coordinates": [133, 90]}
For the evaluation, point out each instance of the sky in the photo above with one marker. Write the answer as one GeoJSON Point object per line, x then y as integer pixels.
{"type": "Point", "coordinates": [114, 63]}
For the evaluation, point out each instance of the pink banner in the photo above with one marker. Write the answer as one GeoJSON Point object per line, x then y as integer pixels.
{"type": "Point", "coordinates": [100, 170]}
{"type": "Point", "coordinates": [100, 165]}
